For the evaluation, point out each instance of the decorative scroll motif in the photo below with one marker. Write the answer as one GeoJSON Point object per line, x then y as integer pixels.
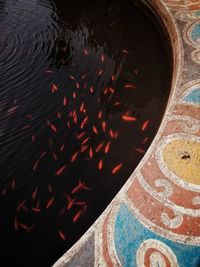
{"type": "Point", "coordinates": [155, 253]}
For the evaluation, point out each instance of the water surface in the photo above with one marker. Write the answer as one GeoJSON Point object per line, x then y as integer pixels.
{"type": "Point", "coordinates": [83, 88]}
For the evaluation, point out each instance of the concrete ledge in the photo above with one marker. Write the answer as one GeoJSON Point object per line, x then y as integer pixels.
{"type": "Point", "coordinates": [155, 219]}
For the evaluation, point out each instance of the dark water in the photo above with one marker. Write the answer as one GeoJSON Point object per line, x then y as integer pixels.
{"type": "Point", "coordinates": [73, 75]}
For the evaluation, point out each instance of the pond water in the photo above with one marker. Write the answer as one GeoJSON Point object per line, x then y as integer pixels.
{"type": "Point", "coordinates": [83, 88]}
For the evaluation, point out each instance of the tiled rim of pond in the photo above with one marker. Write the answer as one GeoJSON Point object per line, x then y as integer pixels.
{"type": "Point", "coordinates": [102, 243]}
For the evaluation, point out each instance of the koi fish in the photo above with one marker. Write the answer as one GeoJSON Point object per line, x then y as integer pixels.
{"type": "Point", "coordinates": [145, 125]}
{"type": "Point", "coordinates": [65, 101]}
{"type": "Point", "coordinates": [125, 51]}
{"type": "Point", "coordinates": [53, 128]}
{"type": "Point", "coordinates": [84, 122]}
{"type": "Point", "coordinates": [116, 168]}
{"type": "Point", "coordinates": [85, 141]}
{"type": "Point", "coordinates": [91, 153]}
{"type": "Point", "coordinates": [113, 77]}
{"type": "Point", "coordinates": [60, 171]}
{"type": "Point", "coordinates": [100, 114]}
{"type": "Point", "coordinates": [128, 118]}
{"type": "Point", "coordinates": [102, 58]}
{"type": "Point", "coordinates": [79, 187]}
{"type": "Point", "coordinates": [139, 150]}
{"type": "Point", "coordinates": [92, 90]}
{"type": "Point", "coordinates": [72, 77]}
{"type": "Point", "coordinates": [145, 140]}
{"type": "Point", "coordinates": [83, 148]}
{"type": "Point", "coordinates": [61, 235]}
{"type": "Point", "coordinates": [104, 126]}
{"type": "Point", "coordinates": [107, 148]}
{"type": "Point", "coordinates": [94, 129]}
{"type": "Point", "coordinates": [80, 135]}
{"type": "Point", "coordinates": [13, 184]}
{"type": "Point", "coordinates": [100, 165]}
{"type": "Point", "coordinates": [85, 51]}
{"type": "Point", "coordinates": [59, 115]}
{"type": "Point", "coordinates": [20, 205]}
{"type": "Point", "coordinates": [99, 147]}
{"type": "Point", "coordinates": [34, 193]}
{"type": "Point", "coordinates": [54, 88]}
{"type": "Point", "coordinates": [33, 138]}
{"type": "Point", "coordinates": [84, 76]}
{"type": "Point", "coordinates": [70, 202]}
{"type": "Point", "coordinates": [77, 216]}
{"type": "Point", "coordinates": [36, 209]}
{"type": "Point", "coordinates": [129, 86]}
{"type": "Point", "coordinates": [49, 203]}
{"type": "Point", "coordinates": [77, 85]}
{"type": "Point", "coordinates": [74, 157]}
{"type": "Point", "coordinates": [16, 224]}
{"type": "Point", "coordinates": [111, 133]}
{"type": "Point", "coordinates": [50, 189]}
{"type": "Point", "coordinates": [100, 72]}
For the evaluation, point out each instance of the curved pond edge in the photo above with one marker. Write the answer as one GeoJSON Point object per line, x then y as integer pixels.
{"type": "Point", "coordinates": [155, 217]}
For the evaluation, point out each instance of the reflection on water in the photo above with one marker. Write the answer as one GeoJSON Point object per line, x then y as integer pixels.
{"type": "Point", "coordinates": [82, 92]}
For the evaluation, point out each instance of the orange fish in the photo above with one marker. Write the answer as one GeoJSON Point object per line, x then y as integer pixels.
{"type": "Point", "coordinates": [65, 101]}
{"type": "Point", "coordinates": [83, 148]}
{"type": "Point", "coordinates": [100, 165]}
{"type": "Point", "coordinates": [100, 114]}
{"type": "Point", "coordinates": [85, 51]}
{"type": "Point", "coordinates": [125, 51]}
{"type": "Point", "coordinates": [24, 226]}
{"type": "Point", "coordinates": [74, 157]}
{"type": "Point", "coordinates": [70, 202]}
{"type": "Point", "coordinates": [80, 186]}
{"type": "Point", "coordinates": [77, 216]}
{"type": "Point", "coordinates": [54, 88]}
{"type": "Point", "coordinates": [34, 193]}
{"type": "Point", "coordinates": [62, 148]}
{"type": "Point", "coordinates": [33, 138]}
{"type": "Point", "coordinates": [113, 77]}
{"type": "Point", "coordinates": [102, 58]}
{"type": "Point", "coordinates": [80, 135]}
{"type": "Point", "coordinates": [107, 148]}
{"type": "Point", "coordinates": [92, 90]}
{"type": "Point", "coordinates": [50, 189]}
{"type": "Point", "coordinates": [85, 140]}
{"type": "Point", "coordinates": [145, 140]}
{"type": "Point", "coordinates": [20, 205]}
{"type": "Point", "coordinates": [94, 129]}
{"type": "Point", "coordinates": [60, 171]}
{"type": "Point", "coordinates": [59, 115]}
{"type": "Point", "coordinates": [16, 224]}
{"type": "Point", "coordinates": [116, 168]}
{"type": "Point", "coordinates": [128, 118]}
{"type": "Point", "coordinates": [145, 125]}
{"type": "Point", "coordinates": [111, 133]}
{"type": "Point", "coordinates": [49, 203]}
{"type": "Point", "coordinates": [139, 150]}
{"type": "Point", "coordinates": [90, 153]}
{"type": "Point", "coordinates": [99, 147]}
{"type": "Point", "coordinates": [100, 72]}
{"type": "Point", "coordinates": [104, 126]}
{"type": "Point", "coordinates": [61, 235]}
{"type": "Point", "coordinates": [13, 184]}
{"type": "Point", "coordinates": [129, 86]}
{"type": "Point", "coordinates": [36, 209]}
